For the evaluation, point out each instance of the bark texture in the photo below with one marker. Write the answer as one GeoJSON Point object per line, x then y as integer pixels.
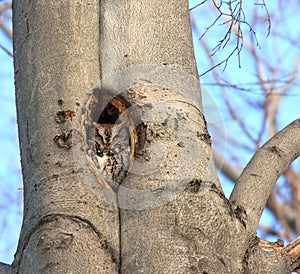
{"type": "Point", "coordinates": [65, 228]}
{"type": "Point", "coordinates": [154, 32]}
{"type": "Point", "coordinates": [262, 172]}
{"type": "Point", "coordinates": [170, 214]}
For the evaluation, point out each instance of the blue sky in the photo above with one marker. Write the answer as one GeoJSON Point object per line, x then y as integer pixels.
{"type": "Point", "coordinates": [10, 168]}
{"type": "Point", "coordinates": [280, 50]}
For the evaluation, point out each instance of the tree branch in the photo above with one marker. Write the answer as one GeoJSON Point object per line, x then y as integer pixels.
{"type": "Point", "coordinates": [6, 50]}
{"type": "Point", "coordinates": [284, 213]}
{"type": "Point", "coordinates": [292, 253]}
{"type": "Point", "coordinates": [5, 268]}
{"type": "Point", "coordinates": [254, 186]}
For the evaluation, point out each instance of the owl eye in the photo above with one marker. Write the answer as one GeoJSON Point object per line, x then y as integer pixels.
{"type": "Point", "coordinates": [100, 153]}
{"type": "Point", "coordinates": [110, 153]}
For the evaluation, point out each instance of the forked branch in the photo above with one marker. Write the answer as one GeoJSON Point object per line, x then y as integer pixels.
{"type": "Point", "coordinates": [254, 186]}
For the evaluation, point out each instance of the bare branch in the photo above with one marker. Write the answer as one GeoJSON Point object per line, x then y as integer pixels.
{"type": "Point", "coordinates": [284, 213]}
{"type": "Point", "coordinates": [262, 172]}
{"type": "Point", "coordinates": [232, 16]}
{"type": "Point", "coordinates": [3, 8]}
{"type": "Point", "coordinates": [7, 51]}
{"type": "Point", "coordinates": [264, 6]}
{"type": "Point", "coordinates": [6, 30]}
{"type": "Point", "coordinates": [196, 6]}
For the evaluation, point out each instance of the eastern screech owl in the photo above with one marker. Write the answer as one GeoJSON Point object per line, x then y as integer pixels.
{"type": "Point", "coordinates": [112, 151]}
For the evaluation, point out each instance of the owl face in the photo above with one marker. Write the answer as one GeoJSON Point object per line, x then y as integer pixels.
{"type": "Point", "coordinates": [103, 140]}
{"type": "Point", "coordinates": [113, 148]}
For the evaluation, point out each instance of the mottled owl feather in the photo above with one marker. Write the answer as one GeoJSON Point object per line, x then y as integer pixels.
{"type": "Point", "coordinates": [113, 151]}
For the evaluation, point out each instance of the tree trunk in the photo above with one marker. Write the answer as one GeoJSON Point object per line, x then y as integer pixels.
{"type": "Point", "coordinates": [66, 227]}
{"type": "Point", "coordinates": [169, 213]}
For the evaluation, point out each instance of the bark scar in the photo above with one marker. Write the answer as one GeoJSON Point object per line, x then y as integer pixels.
{"type": "Point", "coordinates": [64, 140]}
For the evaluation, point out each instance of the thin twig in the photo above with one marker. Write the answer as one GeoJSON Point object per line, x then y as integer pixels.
{"type": "Point", "coordinates": [7, 51]}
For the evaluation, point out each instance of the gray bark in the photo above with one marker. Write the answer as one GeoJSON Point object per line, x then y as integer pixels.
{"type": "Point", "coordinates": [65, 227]}
{"type": "Point", "coordinates": [5, 268]}
{"type": "Point", "coordinates": [169, 215]}
{"type": "Point", "coordinates": [262, 172]}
